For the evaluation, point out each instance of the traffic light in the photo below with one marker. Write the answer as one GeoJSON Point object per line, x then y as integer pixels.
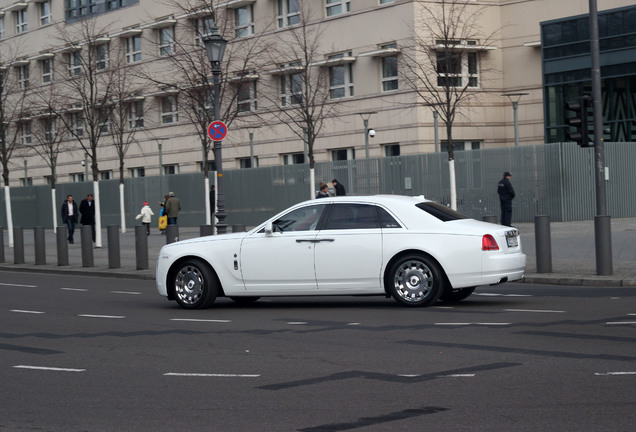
{"type": "Point", "coordinates": [579, 121]}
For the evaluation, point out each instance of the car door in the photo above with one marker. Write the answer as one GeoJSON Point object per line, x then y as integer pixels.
{"type": "Point", "coordinates": [349, 249]}
{"type": "Point", "coordinates": [283, 262]}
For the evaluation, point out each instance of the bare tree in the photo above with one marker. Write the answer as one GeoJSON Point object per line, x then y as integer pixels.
{"type": "Point", "coordinates": [189, 84]}
{"type": "Point", "coordinates": [443, 64]}
{"type": "Point", "coordinates": [303, 96]}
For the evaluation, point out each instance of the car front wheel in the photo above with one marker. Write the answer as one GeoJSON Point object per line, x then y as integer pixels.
{"type": "Point", "coordinates": [195, 285]}
{"type": "Point", "coordinates": [415, 280]}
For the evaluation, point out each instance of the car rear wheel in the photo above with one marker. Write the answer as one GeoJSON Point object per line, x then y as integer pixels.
{"type": "Point", "coordinates": [415, 280]}
{"type": "Point", "coordinates": [452, 296]}
{"type": "Point", "coordinates": [195, 285]}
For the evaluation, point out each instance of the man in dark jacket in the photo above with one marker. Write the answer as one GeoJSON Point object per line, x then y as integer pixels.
{"type": "Point", "coordinates": [69, 216]}
{"type": "Point", "coordinates": [506, 195]}
{"type": "Point", "coordinates": [340, 189]}
{"type": "Point", "coordinates": [173, 207]}
{"type": "Point", "coordinates": [87, 209]}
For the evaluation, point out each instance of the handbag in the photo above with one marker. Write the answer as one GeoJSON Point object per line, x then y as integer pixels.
{"type": "Point", "coordinates": [163, 222]}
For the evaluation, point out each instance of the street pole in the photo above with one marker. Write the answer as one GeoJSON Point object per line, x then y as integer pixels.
{"type": "Point", "coordinates": [366, 138]}
{"type": "Point", "coordinates": [515, 105]}
{"type": "Point", "coordinates": [435, 117]}
{"type": "Point", "coordinates": [602, 221]}
{"type": "Point", "coordinates": [160, 162]}
{"type": "Point", "coordinates": [85, 166]}
{"type": "Point", "coordinates": [251, 149]}
{"type": "Point", "coordinates": [26, 175]}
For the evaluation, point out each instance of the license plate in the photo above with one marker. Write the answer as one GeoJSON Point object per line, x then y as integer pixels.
{"type": "Point", "coordinates": [512, 242]}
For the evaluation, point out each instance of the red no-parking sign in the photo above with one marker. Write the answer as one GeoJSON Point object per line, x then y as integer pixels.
{"type": "Point", "coordinates": [217, 130]}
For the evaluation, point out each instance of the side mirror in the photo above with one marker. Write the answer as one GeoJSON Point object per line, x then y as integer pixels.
{"type": "Point", "coordinates": [269, 229]}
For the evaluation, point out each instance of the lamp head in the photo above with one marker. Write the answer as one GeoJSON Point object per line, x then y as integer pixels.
{"type": "Point", "coordinates": [215, 46]}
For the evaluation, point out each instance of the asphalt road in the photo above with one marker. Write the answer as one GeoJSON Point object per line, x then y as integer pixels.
{"type": "Point", "coordinates": [103, 354]}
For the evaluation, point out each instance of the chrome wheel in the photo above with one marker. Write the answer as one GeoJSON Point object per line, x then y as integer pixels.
{"type": "Point", "coordinates": [195, 286]}
{"type": "Point", "coordinates": [415, 281]}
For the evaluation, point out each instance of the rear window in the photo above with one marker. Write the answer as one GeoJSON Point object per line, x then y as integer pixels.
{"type": "Point", "coordinates": [441, 212]}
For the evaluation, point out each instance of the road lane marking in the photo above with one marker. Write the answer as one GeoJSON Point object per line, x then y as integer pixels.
{"type": "Point", "coordinates": [27, 311]}
{"type": "Point", "coordinates": [620, 322]}
{"type": "Point", "coordinates": [297, 323]}
{"type": "Point", "coordinates": [101, 316]}
{"type": "Point", "coordinates": [477, 323]}
{"type": "Point", "coordinates": [18, 285]}
{"type": "Point", "coordinates": [73, 289]}
{"type": "Point", "coordinates": [614, 373]}
{"type": "Point", "coordinates": [212, 375]}
{"type": "Point", "coordinates": [534, 310]}
{"type": "Point", "coordinates": [453, 324]}
{"type": "Point", "coordinates": [126, 292]}
{"type": "Point", "coordinates": [494, 324]}
{"type": "Point", "coordinates": [45, 368]}
{"type": "Point", "coordinates": [200, 320]}
{"type": "Point", "coordinates": [461, 375]}
{"type": "Point", "coordinates": [353, 324]}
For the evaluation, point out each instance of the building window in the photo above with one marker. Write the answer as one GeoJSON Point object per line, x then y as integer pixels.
{"type": "Point", "coordinates": [343, 154]}
{"type": "Point", "coordinates": [76, 121]}
{"type": "Point", "coordinates": [246, 162]}
{"type": "Point", "coordinates": [46, 67]}
{"type": "Point", "coordinates": [171, 169]}
{"type": "Point", "coordinates": [25, 133]}
{"type": "Point", "coordinates": [166, 41]}
{"type": "Point", "coordinates": [136, 114]}
{"type": "Point", "coordinates": [202, 27]}
{"type": "Point", "coordinates": [74, 63]}
{"type": "Point", "coordinates": [389, 70]}
{"type": "Point", "coordinates": [101, 56]}
{"type": "Point", "coordinates": [45, 13]}
{"type": "Point", "coordinates": [288, 13]}
{"type": "Point", "coordinates": [115, 4]}
{"type": "Point", "coordinates": [211, 166]}
{"type": "Point", "coordinates": [291, 89]}
{"type": "Point", "coordinates": [1, 27]}
{"type": "Point", "coordinates": [80, 8]}
{"type": "Point", "coordinates": [336, 7]}
{"type": "Point", "coordinates": [20, 20]}
{"type": "Point", "coordinates": [386, 1]}
{"type": "Point", "coordinates": [50, 132]}
{"type": "Point", "coordinates": [106, 175]}
{"type": "Point", "coordinates": [23, 76]}
{"type": "Point", "coordinates": [456, 68]}
{"type": "Point", "coordinates": [77, 177]}
{"type": "Point", "coordinates": [104, 120]}
{"type": "Point", "coordinates": [246, 96]}
{"type": "Point", "coordinates": [293, 159]}
{"type": "Point", "coordinates": [391, 150]}
{"type": "Point", "coordinates": [461, 145]}
{"type": "Point", "coordinates": [133, 49]}
{"type": "Point", "coordinates": [244, 21]}
{"type": "Point", "coordinates": [138, 172]}
{"type": "Point", "coordinates": [340, 79]}
{"type": "Point", "coordinates": [169, 112]}
{"type": "Point", "coordinates": [26, 181]}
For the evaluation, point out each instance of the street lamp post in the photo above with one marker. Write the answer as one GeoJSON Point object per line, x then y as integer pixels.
{"type": "Point", "coordinates": [250, 131]}
{"type": "Point", "coordinates": [365, 118]}
{"type": "Point", "coordinates": [514, 98]}
{"type": "Point", "coordinates": [215, 48]}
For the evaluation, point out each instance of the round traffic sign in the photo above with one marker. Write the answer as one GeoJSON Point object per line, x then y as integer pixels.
{"type": "Point", "coordinates": [217, 130]}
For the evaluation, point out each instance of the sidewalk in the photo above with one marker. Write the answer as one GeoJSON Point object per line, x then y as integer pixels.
{"type": "Point", "coordinates": [573, 254]}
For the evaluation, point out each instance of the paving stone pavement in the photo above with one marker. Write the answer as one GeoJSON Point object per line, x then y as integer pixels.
{"type": "Point", "coordinates": [572, 246]}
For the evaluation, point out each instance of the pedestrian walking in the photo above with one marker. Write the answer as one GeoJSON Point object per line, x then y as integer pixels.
{"type": "Point", "coordinates": [87, 209]}
{"type": "Point", "coordinates": [339, 187]}
{"type": "Point", "coordinates": [146, 214]}
{"type": "Point", "coordinates": [323, 192]}
{"type": "Point", "coordinates": [69, 216]}
{"type": "Point", "coordinates": [173, 207]}
{"type": "Point", "coordinates": [506, 195]}
{"type": "Point", "coordinates": [212, 202]}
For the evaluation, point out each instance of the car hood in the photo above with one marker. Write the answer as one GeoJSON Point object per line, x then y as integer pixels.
{"type": "Point", "coordinates": [213, 238]}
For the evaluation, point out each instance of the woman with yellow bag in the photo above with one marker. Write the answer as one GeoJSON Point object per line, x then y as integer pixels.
{"type": "Point", "coordinates": [163, 219]}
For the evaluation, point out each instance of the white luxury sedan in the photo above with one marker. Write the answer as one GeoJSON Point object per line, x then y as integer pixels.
{"type": "Point", "coordinates": [410, 248]}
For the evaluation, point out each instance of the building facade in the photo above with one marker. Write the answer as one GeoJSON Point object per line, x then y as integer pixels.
{"type": "Point", "coordinates": [92, 87]}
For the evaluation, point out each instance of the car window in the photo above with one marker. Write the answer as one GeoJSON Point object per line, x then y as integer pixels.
{"type": "Point", "coordinates": [301, 219]}
{"type": "Point", "coordinates": [440, 211]}
{"type": "Point", "coordinates": [386, 220]}
{"type": "Point", "coordinates": [352, 216]}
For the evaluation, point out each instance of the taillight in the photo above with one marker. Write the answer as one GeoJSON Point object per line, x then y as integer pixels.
{"type": "Point", "coordinates": [488, 243]}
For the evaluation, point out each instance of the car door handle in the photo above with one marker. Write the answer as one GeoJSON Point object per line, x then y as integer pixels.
{"type": "Point", "coordinates": [314, 240]}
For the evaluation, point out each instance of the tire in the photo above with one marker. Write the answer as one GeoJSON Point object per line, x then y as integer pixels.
{"type": "Point", "coordinates": [454, 296]}
{"type": "Point", "coordinates": [415, 280]}
{"type": "Point", "coordinates": [244, 300]}
{"type": "Point", "coordinates": [195, 285]}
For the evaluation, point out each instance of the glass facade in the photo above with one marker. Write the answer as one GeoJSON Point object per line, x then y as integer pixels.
{"type": "Point", "coordinates": [565, 46]}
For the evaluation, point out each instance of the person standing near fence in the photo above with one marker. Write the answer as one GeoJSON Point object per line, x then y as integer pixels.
{"type": "Point", "coordinates": [339, 187]}
{"type": "Point", "coordinates": [506, 195]}
{"type": "Point", "coordinates": [69, 216]}
{"type": "Point", "coordinates": [87, 209]}
{"type": "Point", "coordinates": [173, 207]}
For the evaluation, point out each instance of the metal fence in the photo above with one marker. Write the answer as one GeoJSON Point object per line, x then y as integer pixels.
{"type": "Point", "coordinates": [551, 179]}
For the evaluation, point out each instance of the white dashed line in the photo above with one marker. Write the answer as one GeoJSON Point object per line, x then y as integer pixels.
{"type": "Point", "coordinates": [126, 292]}
{"type": "Point", "coordinates": [102, 316]}
{"type": "Point", "coordinates": [74, 289]}
{"type": "Point", "coordinates": [478, 323]}
{"type": "Point", "coordinates": [212, 375]}
{"type": "Point", "coordinates": [27, 311]}
{"type": "Point", "coordinates": [200, 320]}
{"type": "Point", "coordinates": [620, 322]}
{"type": "Point", "coordinates": [453, 324]}
{"type": "Point", "coordinates": [297, 323]}
{"type": "Point", "coordinates": [614, 373]}
{"type": "Point", "coordinates": [54, 369]}
{"type": "Point", "coordinates": [534, 310]}
{"type": "Point", "coordinates": [461, 375]}
{"type": "Point", "coordinates": [18, 285]}
{"type": "Point", "coordinates": [353, 324]}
